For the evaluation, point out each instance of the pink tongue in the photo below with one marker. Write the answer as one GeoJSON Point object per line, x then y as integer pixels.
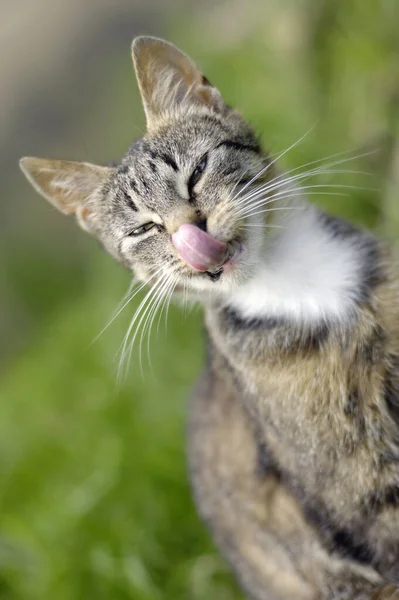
{"type": "Point", "coordinates": [199, 249]}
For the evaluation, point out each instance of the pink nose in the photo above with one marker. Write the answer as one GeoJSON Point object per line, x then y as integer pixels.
{"type": "Point", "coordinates": [197, 248]}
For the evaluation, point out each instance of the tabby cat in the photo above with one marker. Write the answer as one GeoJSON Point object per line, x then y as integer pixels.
{"type": "Point", "coordinates": [293, 431]}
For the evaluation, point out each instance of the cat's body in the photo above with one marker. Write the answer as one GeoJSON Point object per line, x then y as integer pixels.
{"type": "Point", "coordinates": [293, 448]}
{"type": "Point", "coordinates": [293, 434]}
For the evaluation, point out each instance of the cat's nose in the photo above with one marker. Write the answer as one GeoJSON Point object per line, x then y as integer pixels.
{"type": "Point", "coordinates": [199, 249]}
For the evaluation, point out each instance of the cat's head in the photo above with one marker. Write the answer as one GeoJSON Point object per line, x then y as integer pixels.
{"type": "Point", "coordinates": [174, 205]}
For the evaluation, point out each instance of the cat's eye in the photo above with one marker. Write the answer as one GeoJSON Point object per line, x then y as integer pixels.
{"type": "Point", "coordinates": [142, 229]}
{"type": "Point", "coordinates": [197, 173]}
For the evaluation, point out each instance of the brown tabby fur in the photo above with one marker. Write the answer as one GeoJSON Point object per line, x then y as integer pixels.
{"type": "Point", "coordinates": [295, 472]}
{"type": "Point", "coordinates": [293, 433]}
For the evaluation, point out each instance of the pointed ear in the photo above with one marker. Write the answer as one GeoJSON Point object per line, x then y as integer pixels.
{"type": "Point", "coordinates": [169, 80]}
{"type": "Point", "coordinates": [72, 187]}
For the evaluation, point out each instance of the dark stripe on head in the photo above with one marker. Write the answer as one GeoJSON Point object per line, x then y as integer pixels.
{"type": "Point", "coordinates": [133, 185]}
{"type": "Point", "coordinates": [129, 201]}
{"type": "Point", "coordinates": [240, 146]}
{"type": "Point", "coordinates": [144, 184]}
{"type": "Point", "coordinates": [152, 166]}
{"type": "Point", "coordinates": [169, 161]}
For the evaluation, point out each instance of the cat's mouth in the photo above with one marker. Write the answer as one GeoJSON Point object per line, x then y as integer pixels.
{"type": "Point", "coordinates": [234, 249]}
{"type": "Point", "coordinates": [203, 252]}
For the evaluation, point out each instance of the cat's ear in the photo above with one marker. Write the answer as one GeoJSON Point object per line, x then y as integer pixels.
{"type": "Point", "coordinates": [72, 187]}
{"type": "Point", "coordinates": [168, 79]}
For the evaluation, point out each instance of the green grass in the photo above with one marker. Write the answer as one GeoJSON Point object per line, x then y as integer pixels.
{"type": "Point", "coordinates": [95, 499]}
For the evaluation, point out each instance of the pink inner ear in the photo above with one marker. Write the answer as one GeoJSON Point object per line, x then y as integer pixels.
{"type": "Point", "coordinates": [197, 248]}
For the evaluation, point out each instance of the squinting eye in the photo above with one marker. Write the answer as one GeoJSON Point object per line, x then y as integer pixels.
{"type": "Point", "coordinates": [196, 174]}
{"type": "Point", "coordinates": [142, 229]}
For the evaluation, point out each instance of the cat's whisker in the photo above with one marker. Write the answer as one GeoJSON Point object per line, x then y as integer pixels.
{"type": "Point", "coordinates": [168, 298]}
{"type": "Point", "coordinates": [283, 195]}
{"type": "Point", "coordinates": [289, 180]}
{"type": "Point", "coordinates": [237, 183]}
{"type": "Point", "coordinates": [127, 298]}
{"type": "Point", "coordinates": [322, 168]}
{"type": "Point", "coordinates": [250, 212]}
{"type": "Point", "coordinates": [270, 164]}
{"type": "Point", "coordinates": [263, 226]}
{"type": "Point", "coordinates": [147, 326]}
{"type": "Point", "coordinates": [328, 164]}
{"type": "Point", "coordinates": [125, 349]}
{"type": "Point", "coordinates": [165, 301]}
{"type": "Point", "coordinates": [268, 199]}
{"type": "Point", "coordinates": [145, 315]}
{"type": "Point", "coordinates": [279, 208]}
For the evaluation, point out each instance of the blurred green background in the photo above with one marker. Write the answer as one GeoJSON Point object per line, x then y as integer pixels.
{"type": "Point", "coordinates": [95, 499]}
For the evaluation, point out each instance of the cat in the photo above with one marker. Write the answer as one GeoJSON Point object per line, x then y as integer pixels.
{"type": "Point", "coordinates": [293, 429]}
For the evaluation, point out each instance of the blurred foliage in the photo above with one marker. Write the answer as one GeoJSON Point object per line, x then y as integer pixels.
{"type": "Point", "coordinates": [95, 499]}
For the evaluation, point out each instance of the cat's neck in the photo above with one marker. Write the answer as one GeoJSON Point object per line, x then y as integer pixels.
{"type": "Point", "coordinates": [313, 268]}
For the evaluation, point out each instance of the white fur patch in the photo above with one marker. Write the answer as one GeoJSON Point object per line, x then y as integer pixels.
{"type": "Point", "coordinates": [304, 273]}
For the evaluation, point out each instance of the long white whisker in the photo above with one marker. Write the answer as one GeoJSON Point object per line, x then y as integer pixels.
{"type": "Point", "coordinates": [263, 225]}
{"type": "Point", "coordinates": [322, 167]}
{"type": "Point", "coordinates": [318, 170]}
{"type": "Point", "coordinates": [169, 301]}
{"type": "Point", "coordinates": [280, 208]}
{"type": "Point", "coordinates": [250, 212]}
{"type": "Point", "coordinates": [329, 164]}
{"type": "Point", "coordinates": [238, 182]}
{"type": "Point", "coordinates": [124, 349]}
{"type": "Point", "coordinates": [147, 325]}
{"type": "Point", "coordinates": [277, 158]}
{"type": "Point", "coordinates": [268, 199]}
{"type": "Point", "coordinates": [288, 181]}
{"type": "Point", "coordinates": [143, 318]}
{"type": "Point", "coordinates": [128, 297]}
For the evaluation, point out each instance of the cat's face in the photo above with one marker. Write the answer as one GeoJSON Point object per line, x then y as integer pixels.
{"type": "Point", "coordinates": [173, 207]}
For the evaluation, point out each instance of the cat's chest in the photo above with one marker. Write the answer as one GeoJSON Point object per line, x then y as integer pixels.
{"type": "Point", "coordinates": [297, 394]}
{"type": "Point", "coordinates": [294, 409]}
